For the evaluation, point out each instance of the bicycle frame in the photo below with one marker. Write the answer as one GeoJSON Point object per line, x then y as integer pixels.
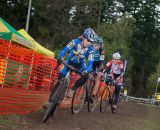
{"type": "Point", "coordinates": [67, 77]}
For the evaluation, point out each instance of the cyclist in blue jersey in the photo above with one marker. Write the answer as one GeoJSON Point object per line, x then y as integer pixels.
{"type": "Point", "coordinates": [99, 53]}
{"type": "Point", "coordinates": [97, 64]}
{"type": "Point", "coordinates": [80, 49]}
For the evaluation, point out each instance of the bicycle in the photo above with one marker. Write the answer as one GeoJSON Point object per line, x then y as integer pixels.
{"type": "Point", "coordinates": [108, 95]}
{"type": "Point", "coordinates": [59, 94]}
{"type": "Point", "coordinates": [82, 95]}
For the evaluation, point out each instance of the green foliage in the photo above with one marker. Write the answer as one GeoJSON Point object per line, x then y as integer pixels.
{"type": "Point", "coordinates": [117, 36]}
{"type": "Point", "coordinates": [14, 12]}
{"type": "Point", "coordinates": [56, 53]}
{"type": "Point", "coordinates": [152, 81]}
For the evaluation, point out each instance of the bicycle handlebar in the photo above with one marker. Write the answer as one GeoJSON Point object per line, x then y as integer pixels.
{"type": "Point", "coordinates": [70, 67]}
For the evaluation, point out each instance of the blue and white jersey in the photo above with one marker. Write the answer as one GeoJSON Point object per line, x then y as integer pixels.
{"type": "Point", "coordinates": [99, 55]}
{"type": "Point", "coordinates": [98, 59]}
{"type": "Point", "coordinates": [78, 53]}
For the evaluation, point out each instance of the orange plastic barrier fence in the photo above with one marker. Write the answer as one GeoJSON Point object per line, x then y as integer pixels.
{"type": "Point", "coordinates": [26, 78]}
{"type": "Point", "coordinates": [21, 101]}
{"type": "Point", "coordinates": [22, 67]}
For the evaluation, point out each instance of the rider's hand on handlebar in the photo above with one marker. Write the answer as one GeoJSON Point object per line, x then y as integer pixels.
{"type": "Point", "coordinates": [84, 72]}
{"type": "Point", "coordinates": [100, 68]}
{"type": "Point", "coordinates": [103, 78]}
{"type": "Point", "coordinates": [59, 62]}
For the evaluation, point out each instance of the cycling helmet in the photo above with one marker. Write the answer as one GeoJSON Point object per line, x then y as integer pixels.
{"type": "Point", "coordinates": [116, 56]}
{"type": "Point", "coordinates": [98, 40]}
{"type": "Point", "coordinates": [89, 34]}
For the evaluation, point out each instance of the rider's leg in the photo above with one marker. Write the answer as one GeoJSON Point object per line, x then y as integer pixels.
{"type": "Point", "coordinates": [80, 82]}
{"type": "Point", "coordinates": [97, 82]}
{"type": "Point", "coordinates": [118, 89]}
{"type": "Point", "coordinates": [90, 82]}
{"type": "Point", "coordinates": [117, 93]}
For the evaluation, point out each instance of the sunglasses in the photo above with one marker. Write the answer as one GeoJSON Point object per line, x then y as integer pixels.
{"type": "Point", "coordinates": [97, 45]}
{"type": "Point", "coordinates": [89, 40]}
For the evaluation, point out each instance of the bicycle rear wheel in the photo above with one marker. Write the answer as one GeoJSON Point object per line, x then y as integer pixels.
{"type": "Point", "coordinates": [78, 99]}
{"type": "Point", "coordinates": [104, 103]}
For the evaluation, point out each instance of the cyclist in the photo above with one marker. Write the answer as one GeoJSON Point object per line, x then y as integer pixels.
{"type": "Point", "coordinates": [80, 49]}
{"type": "Point", "coordinates": [117, 67]}
{"type": "Point", "coordinates": [97, 64]}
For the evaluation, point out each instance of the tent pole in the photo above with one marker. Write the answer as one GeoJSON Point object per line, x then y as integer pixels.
{"type": "Point", "coordinates": [28, 15]}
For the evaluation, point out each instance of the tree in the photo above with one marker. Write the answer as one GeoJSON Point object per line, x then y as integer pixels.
{"type": "Point", "coordinates": [86, 15]}
{"type": "Point", "coordinates": [118, 36]}
{"type": "Point", "coordinates": [145, 41]}
{"type": "Point", "coordinates": [14, 12]}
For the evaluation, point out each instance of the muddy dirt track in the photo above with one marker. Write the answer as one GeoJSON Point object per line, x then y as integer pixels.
{"type": "Point", "coordinates": [130, 116]}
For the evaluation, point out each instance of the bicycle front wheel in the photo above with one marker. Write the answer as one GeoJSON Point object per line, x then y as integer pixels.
{"type": "Point", "coordinates": [50, 111]}
{"type": "Point", "coordinates": [56, 100]}
{"type": "Point", "coordinates": [104, 100]}
{"type": "Point", "coordinates": [112, 99]}
{"type": "Point", "coordinates": [78, 99]}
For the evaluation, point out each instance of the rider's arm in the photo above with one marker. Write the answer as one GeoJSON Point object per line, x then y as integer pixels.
{"type": "Point", "coordinates": [68, 47]}
{"type": "Point", "coordinates": [121, 68]}
{"type": "Point", "coordinates": [108, 66]}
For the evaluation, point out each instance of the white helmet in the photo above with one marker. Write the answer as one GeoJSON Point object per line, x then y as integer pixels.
{"type": "Point", "coordinates": [116, 56]}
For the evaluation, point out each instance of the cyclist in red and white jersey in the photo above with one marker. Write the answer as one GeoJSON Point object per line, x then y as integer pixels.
{"type": "Point", "coordinates": [116, 67]}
